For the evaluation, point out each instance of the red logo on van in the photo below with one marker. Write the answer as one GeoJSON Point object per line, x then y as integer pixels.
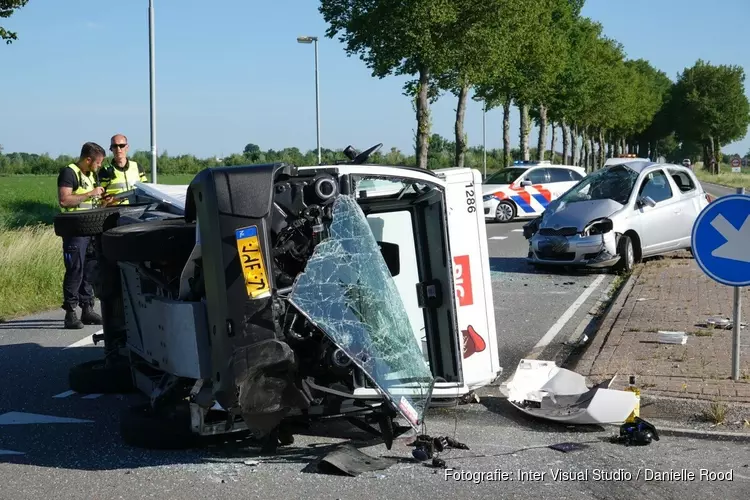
{"type": "Point", "coordinates": [462, 278]}
{"type": "Point", "coordinates": [473, 342]}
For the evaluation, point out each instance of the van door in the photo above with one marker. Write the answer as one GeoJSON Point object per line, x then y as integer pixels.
{"type": "Point", "coordinates": [475, 311]}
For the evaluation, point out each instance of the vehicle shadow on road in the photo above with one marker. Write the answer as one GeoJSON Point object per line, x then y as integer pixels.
{"type": "Point", "coordinates": [35, 393]}
{"type": "Point", "coordinates": [519, 265]}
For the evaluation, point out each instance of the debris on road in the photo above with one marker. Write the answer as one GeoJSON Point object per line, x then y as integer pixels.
{"type": "Point", "coordinates": [666, 337]}
{"type": "Point", "coordinates": [543, 389]}
{"type": "Point", "coordinates": [638, 432]}
{"type": "Point", "coordinates": [350, 461]}
{"type": "Point", "coordinates": [722, 322]}
{"type": "Point", "coordinates": [568, 447]}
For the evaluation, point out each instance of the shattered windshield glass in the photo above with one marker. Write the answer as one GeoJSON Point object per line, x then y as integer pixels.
{"type": "Point", "coordinates": [610, 183]}
{"type": "Point", "coordinates": [348, 292]}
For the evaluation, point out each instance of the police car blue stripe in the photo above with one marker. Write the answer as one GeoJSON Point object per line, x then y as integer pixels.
{"type": "Point", "coordinates": [522, 203]}
{"type": "Point", "coordinates": [541, 199]}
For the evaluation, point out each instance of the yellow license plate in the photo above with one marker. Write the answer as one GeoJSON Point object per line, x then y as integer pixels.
{"type": "Point", "coordinates": [251, 260]}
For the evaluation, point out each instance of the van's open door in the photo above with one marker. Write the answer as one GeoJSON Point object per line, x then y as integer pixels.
{"type": "Point", "coordinates": [475, 309]}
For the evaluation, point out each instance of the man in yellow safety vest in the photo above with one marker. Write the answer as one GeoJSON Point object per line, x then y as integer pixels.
{"type": "Point", "coordinates": [122, 173]}
{"type": "Point", "coordinates": [77, 187]}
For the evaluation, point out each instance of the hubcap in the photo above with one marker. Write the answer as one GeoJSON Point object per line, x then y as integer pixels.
{"type": "Point", "coordinates": [504, 212]}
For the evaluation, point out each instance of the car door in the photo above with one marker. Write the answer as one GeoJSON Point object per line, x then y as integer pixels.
{"type": "Point", "coordinates": [691, 202]}
{"type": "Point", "coordinates": [656, 225]}
{"type": "Point", "coordinates": [536, 197]}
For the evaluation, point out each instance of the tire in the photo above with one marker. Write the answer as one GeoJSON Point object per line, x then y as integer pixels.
{"type": "Point", "coordinates": [94, 377]}
{"type": "Point", "coordinates": [627, 255]}
{"type": "Point", "coordinates": [85, 222]}
{"type": "Point", "coordinates": [505, 212]}
{"type": "Point", "coordinates": [166, 429]}
{"type": "Point", "coordinates": [156, 240]}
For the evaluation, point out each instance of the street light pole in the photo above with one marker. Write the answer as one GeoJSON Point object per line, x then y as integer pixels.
{"type": "Point", "coordinates": [314, 40]}
{"type": "Point", "coordinates": [484, 137]}
{"type": "Point", "coordinates": [152, 85]}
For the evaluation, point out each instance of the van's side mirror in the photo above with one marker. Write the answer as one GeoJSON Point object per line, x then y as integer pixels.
{"type": "Point", "coordinates": [525, 183]}
{"type": "Point", "coordinates": [391, 257]}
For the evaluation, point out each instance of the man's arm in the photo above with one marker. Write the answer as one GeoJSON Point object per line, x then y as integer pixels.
{"type": "Point", "coordinates": [66, 183]}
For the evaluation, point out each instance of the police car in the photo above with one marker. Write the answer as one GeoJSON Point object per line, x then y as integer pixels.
{"type": "Point", "coordinates": [525, 189]}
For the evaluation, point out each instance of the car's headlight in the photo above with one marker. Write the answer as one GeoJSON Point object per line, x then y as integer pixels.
{"type": "Point", "coordinates": [487, 197]}
{"type": "Point", "coordinates": [598, 226]}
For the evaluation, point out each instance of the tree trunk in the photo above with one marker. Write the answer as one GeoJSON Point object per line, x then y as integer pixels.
{"type": "Point", "coordinates": [423, 117]}
{"type": "Point", "coordinates": [585, 144]}
{"type": "Point", "coordinates": [716, 154]}
{"type": "Point", "coordinates": [463, 95]}
{"type": "Point", "coordinates": [609, 147]}
{"type": "Point", "coordinates": [524, 128]}
{"type": "Point", "coordinates": [601, 148]}
{"type": "Point", "coordinates": [541, 145]}
{"type": "Point", "coordinates": [507, 160]}
{"type": "Point", "coordinates": [565, 141]}
{"type": "Point", "coordinates": [706, 158]}
{"type": "Point", "coordinates": [573, 145]}
{"type": "Point", "coordinates": [552, 143]}
{"type": "Point", "coordinates": [624, 146]}
{"type": "Point", "coordinates": [652, 150]}
{"type": "Point", "coordinates": [592, 157]}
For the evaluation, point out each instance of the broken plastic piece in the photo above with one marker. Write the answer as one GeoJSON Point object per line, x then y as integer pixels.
{"type": "Point", "coordinates": [639, 433]}
{"type": "Point", "coordinates": [542, 389]}
{"type": "Point", "coordinates": [672, 337]}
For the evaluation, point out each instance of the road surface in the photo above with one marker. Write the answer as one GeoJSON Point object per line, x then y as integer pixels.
{"type": "Point", "coordinates": [42, 456]}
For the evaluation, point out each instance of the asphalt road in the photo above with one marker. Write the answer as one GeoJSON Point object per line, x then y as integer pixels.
{"type": "Point", "coordinates": [41, 457]}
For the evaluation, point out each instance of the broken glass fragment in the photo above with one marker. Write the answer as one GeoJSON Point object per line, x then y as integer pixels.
{"type": "Point", "coordinates": [347, 291]}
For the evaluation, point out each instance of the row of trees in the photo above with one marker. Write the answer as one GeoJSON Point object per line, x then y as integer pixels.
{"type": "Point", "coordinates": [554, 65]}
{"type": "Point", "coordinates": [441, 154]}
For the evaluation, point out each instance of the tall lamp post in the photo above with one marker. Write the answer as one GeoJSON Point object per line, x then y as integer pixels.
{"type": "Point", "coordinates": [152, 84]}
{"type": "Point", "coordinates": [314, 40]}
{"type": "Point", "coordinates": [484, 137]}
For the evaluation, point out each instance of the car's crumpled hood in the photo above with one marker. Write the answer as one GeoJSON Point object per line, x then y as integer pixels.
{"type": "Point", "coordinates": [577, 214]}
{"type": "Point", "coordinates": [170, 194]}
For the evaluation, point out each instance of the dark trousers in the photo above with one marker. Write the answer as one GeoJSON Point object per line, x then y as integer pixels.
{"type": "Point", "coordinates": [80, 265]}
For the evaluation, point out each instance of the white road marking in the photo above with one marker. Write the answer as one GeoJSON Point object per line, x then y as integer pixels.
{"type": "Point", "coordinates": [499, 238]}
{"type": "Point", "coordinates": [11, 452]}
{"type": "Point", "coordinates": [64, 394]}
{"type": "Point", "coordinates": [84, 341]}
{"type": "Point", "coordinates": [517, 230]}
{"type": "Point", "coordinates": [91, 396]}
{"type": "Point", "coordinates": [560, 323]}
{"type": "Point", "coordinates": [19, 418]}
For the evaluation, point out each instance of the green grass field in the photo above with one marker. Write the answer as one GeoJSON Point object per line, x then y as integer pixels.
{"type": "Point", "coordinates": [31, 266]}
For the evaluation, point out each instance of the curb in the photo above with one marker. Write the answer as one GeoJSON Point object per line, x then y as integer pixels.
{"type": "Point", "coordinates": [590, 325]}
{"type": "Point", "coordinates": [708, 435]}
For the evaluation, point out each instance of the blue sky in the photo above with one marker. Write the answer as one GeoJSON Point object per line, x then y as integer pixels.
{"type": "Point", "coordinates": [235, 74]}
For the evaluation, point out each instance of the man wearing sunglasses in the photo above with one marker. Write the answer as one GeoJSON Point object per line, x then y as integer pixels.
{"type": "Point", "coordinates": [122, 173]}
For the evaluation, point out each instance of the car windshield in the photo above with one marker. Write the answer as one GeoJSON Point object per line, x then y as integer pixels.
{"type": "Point", "coordinates": [610, 183]}
{"type": "Point", "coordinates": [371, 187]}
{"type": "Point", "coordinates": [348, 292]}
{"type": "Point", "coordinates": [505, 176]}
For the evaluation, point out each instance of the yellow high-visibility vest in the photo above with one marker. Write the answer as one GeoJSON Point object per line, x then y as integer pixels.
{"type": "Point", "coordinates": [86, 182]}
{"type": "Point", "coordinates": [115, 180]}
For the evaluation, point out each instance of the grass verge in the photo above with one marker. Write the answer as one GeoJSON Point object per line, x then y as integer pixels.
{"type": "Point", "coordinates": [31, 262]}
{"type": "Point", "coordinates": [31, 271]}
{"type": "Point", "coordinates": [725, 177]}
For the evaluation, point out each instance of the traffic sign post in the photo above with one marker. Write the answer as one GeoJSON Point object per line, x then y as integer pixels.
{"type": "Point", "coordinates": [736, 165]}
{"type": "Point", "coordinates": [721, 247]}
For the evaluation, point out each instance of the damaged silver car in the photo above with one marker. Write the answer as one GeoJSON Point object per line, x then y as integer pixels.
{"type": "Point", "coordinates": [618, 215]}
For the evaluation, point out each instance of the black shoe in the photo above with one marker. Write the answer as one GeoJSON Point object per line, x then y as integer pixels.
{"type": "Point", "coordinates": [72, 322]}
{"type": "Point", "coordinates": [89, 317]}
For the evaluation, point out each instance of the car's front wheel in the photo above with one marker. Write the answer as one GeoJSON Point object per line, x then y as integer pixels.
{"type": "Point", "coordinates": [627, 255]}
{"type": "Point", "coordinates": [505, 211]}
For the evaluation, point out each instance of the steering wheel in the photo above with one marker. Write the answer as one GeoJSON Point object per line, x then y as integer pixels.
{"type": "Point", "coordinates": [364, 155]}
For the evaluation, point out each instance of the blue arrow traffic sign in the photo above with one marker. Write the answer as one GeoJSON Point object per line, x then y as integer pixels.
{"type": "Point", "coordinates": [721, 240]}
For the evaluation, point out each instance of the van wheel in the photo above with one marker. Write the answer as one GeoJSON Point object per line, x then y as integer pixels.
{"type": "Point", "coordinates": [505, 212]}
{"type": "Point", "coordinates": [627, 255]}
